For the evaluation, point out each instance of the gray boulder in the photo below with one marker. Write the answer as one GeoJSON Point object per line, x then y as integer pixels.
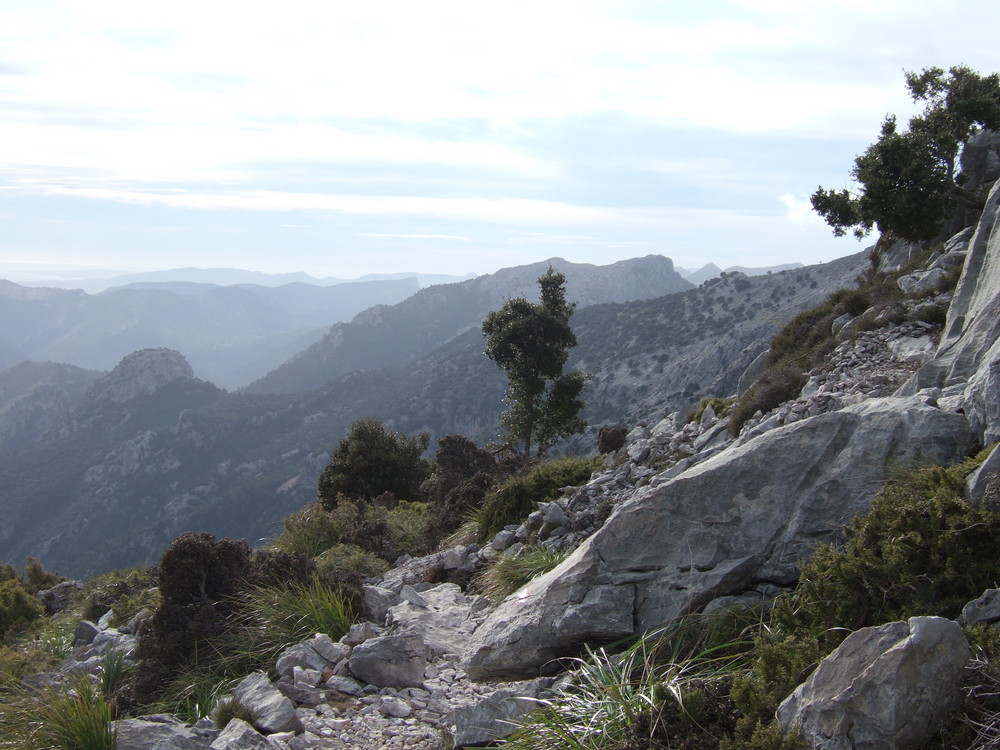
{"type": "Point", "coordinates": [390, 661]}
{"type": "Point", "coordinates": [272, 711]}
{"type": "Point", "coordinates": [60, 597]}
{"type": "Point", "coordinates": [985, 609]}
{"type": "Point", "coordinates": [746, 516]}
{"type": "Point", "coordinates": [492, 718]}
{"type": "Point", "coordinates": [883, 688]}
{"type": "Point", "coordinates": [238, 735]}
{"type": "Point", "coordinates": [161, 732]}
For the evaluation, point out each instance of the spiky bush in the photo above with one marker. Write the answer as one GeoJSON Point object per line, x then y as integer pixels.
{"type": "Point", "coordinates": [507, 573]}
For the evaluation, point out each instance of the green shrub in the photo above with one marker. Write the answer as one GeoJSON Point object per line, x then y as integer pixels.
{"type": "Point", "coordinates": [291, 613]}
{"type": "Point", "coordinates": [370, 462]}
{"type": "Point", "coordinates": [720, 406]}
{"type": "Point", "coordinates": [79, 719]}
{"type": "Point", "coordinates": [507, 573]}
{"type": "Point", "coordinates": [37, 578]}
{"type": "Point", "coordinates": [514, 499]}
{"type": "Point", "coordinates": [311, 531]}
{"type": "Point", "coordinates": [123, 591]}
{"type": "Point", "coordinates": [18, 608]}
{"type": "Point", "coordinates": [348, 562]}
{"type": "Point", "coordinates": [920, 550]}
{"type": "Point", "coordinates": [777, 384]}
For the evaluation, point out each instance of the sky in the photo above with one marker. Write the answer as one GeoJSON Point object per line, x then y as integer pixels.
{"type": "Point", "coordinates": [347, 138]}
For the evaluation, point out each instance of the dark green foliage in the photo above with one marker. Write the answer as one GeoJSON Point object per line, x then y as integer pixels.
{"type": "Point", "coordinates": [274, 567]}
{"type": "Point", "coordinates": [464, 474]}
{"type": "Point", "coordinates": [908, 181]}
{"type": "Point", "coordinates": [921, 550]}
{"type": "Point", "coordinates": [780, 664]}
{"type": "Point", "coordinates": [514, 499]}
{"type": "Point", "coordinates": [530, 343]}
{"type": "Point", "coordinates": [37, 578]}
{"type": "Point", "coordinates": [310, 531]}
{"type": "Point", "coordinates": [198, 579]}
{"type": "Point", "coordinates": [18, 607]}
{"type": "Point", "coordinates": [370, 462]}
{"type": "Point", "coordinates": [344, 568]}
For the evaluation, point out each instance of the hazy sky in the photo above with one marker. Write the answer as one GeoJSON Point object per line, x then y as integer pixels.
{"type": "Point", "coordinates": [343, 138]}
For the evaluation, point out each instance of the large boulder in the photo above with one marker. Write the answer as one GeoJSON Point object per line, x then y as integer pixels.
{"type": "Point", "coordinates": [883, 688]}
{"type": "Point", "coordinates": [390, 660]}
{"type": "Point", "coordinates": [272, 711]}
{"type": "Point", "coordinates": [746, 516]}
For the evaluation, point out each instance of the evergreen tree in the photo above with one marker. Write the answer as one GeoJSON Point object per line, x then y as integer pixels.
{"type": "Point", "coordinates": [370, 462]}
{"type": "Point", "coordinates": [531, 343]}
{"type": "Point", "coordinates": [908, 180]}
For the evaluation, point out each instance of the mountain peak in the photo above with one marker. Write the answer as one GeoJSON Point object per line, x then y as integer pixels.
{"type": "Point", "coordinates": [141, 373]}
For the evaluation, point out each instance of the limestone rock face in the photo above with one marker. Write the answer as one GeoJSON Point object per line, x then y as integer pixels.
{"type": "Point", "coordinates": [742, 517]}
{"type": "Point", "coordinates": [969, 350]}
{"type": "Point", "coordinates": [884, 687]}
{"type": "Point", "coordinates": [139, 374]}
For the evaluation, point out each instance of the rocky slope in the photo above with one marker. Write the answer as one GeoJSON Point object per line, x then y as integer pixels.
{"type": "Point", "coordinates": [735, 521]}
{"type": "Point", "coordinates": [37, 398]}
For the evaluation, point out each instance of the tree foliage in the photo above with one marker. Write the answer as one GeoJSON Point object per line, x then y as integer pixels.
{"type": "Point", "coordinates": [908, 181]}
{"type": "Point", "coordinates": [370, 462]}
{"type": "Point", "coordinates": [531, 343]}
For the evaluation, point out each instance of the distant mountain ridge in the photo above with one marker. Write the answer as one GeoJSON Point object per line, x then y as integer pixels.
{"type": "Point", "coordinates": [230, 335]}
{"type": "Point", "coordinates": [385, 336]}
{"type": "Point", "coordinates": [233, 277]}
{"type": "Point", "coordinates": [122, 479]}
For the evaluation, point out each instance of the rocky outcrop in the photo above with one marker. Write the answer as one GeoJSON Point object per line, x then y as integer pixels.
{"type": "Point", "coordinates": [743, 517]}
{"type": "Point", "coordinates": [139, 374]}
{"type": "Point", "coordinates": [968, 355]}
{"type": "Point", "coordinates": [883, 688]}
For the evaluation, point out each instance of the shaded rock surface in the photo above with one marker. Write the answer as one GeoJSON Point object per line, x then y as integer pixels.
{"type": "Point", "coordinates": [883, 688]}
{"type": "Point", "coordinates": [738, 519]}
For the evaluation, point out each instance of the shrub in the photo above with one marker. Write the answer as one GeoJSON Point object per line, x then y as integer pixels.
{"type": "Point", "coordinates": [291, 613]}
{"type": "Point", "coordinates": [370, 462]}
{"type": "Point", "coordinates": [720, 406]}
{"type": "Point", "coordinates": [232, 708]}
{"type": "Point", "coordinates": [775, 385]}
{"type": "Point", "coordinates": [18, 608]}
{"type": "Point", "coordinates": [311, 531]}
{"type": "Point", "coordinates": [513, 500]}
{"type": "Point", "coordinates": [124, 592]}
{"type": "Point", "coordinates": [920, 550]}
{"type": "Point", "coordinates": [507, 573]}
{"type": "Point", "coordinates": [272, 567]}
{"type": "Point", "coordinates": [37, 578]}
{"type": "Point", "coordinates": [198, 578]}
{"type": "Point", "coordinates": [345, 568]}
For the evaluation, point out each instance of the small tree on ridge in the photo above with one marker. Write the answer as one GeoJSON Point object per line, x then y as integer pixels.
{"type": "Point", "coordinates": [531, 343]}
